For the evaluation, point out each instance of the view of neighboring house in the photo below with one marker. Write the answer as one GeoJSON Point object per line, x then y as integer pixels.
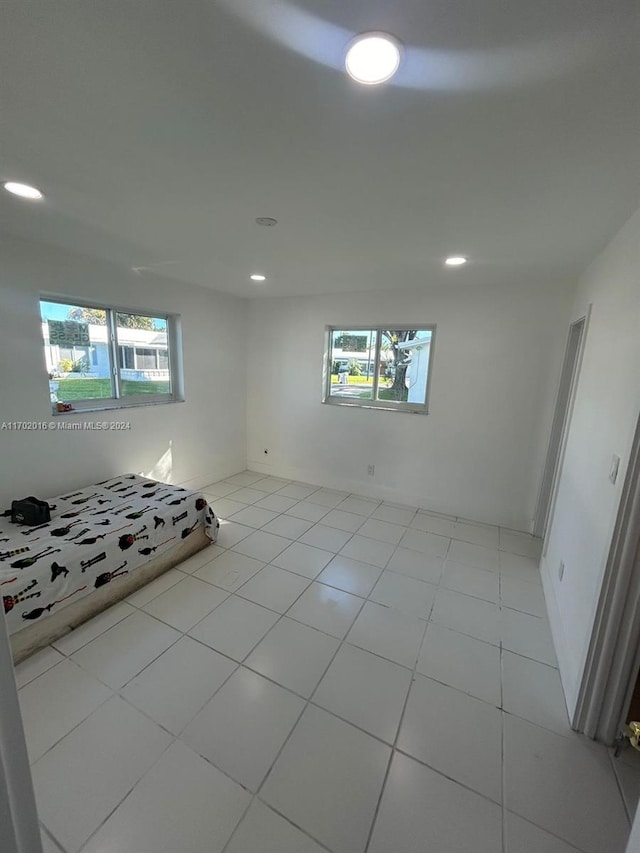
{"type": "Point", "coordinates": [142, 354]}
{"type": "Point", "coordinates": [355, 354]}
{"type": "Point", "coordinates": [415, 379]}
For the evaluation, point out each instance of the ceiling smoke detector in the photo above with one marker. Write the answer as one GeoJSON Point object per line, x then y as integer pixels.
{"type": "Point", "coordinates": [269, 221]}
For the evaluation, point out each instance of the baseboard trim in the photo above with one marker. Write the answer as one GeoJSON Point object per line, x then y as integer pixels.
{"type": "Point", "coordinates": [384, 493]}
{"type": "Point", "coordinates": [212, 476]}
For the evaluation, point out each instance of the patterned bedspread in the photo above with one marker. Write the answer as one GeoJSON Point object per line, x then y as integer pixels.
{"type": "Point", "coordinates": [96, 536]}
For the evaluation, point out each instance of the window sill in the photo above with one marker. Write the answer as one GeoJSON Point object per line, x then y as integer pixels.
{"type": "Point", "coordinates": [381, 407]}
{"type": "Point", "coordinates": [113, 407]}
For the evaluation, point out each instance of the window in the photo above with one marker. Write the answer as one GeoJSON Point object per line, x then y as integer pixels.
{"type": "Point", "coordinates": [379, 368]}
{"type": "Point", "coordinates": [126, 357]}
{"type": "Point", "coordinates": [145, 358]}
{"type": "Point", "coordinates": [99, 357]}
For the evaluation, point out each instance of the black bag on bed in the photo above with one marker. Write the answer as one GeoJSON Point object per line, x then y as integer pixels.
{"type": "Point", "coordinates": [30, 511]}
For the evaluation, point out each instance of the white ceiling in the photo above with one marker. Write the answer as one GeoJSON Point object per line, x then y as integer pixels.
{"type": "Point", "coordinates": [159, 130]}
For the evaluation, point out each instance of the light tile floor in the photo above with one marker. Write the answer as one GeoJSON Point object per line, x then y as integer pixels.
{"type": "Point", "coordinates": [336, 674]}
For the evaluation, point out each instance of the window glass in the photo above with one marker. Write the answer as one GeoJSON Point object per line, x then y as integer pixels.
{"type": "Point", "coordinates": [97, 356]}
{"type": "Point", "coordinates": [76, 352]}
{"type": "Point", "coordinates": [143, 335]}
{"type": "Point", "coordinates": [404, 357]}
{"type": "Point", "coordinates": [352, 360]}
{"type": "Point", "coordinates": [380, 367]}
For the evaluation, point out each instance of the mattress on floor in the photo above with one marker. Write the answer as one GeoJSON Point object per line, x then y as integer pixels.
{"type": "Point", "coordinates": [96, 535]}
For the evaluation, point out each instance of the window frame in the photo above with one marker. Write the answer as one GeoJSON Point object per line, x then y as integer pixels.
{"type": "Point", "coordinates": [363, 403]}
{"type": "Point", "coordinates": [117, 401]}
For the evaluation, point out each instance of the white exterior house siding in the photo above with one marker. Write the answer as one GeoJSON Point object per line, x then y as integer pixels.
{"type": "Point", "coordinates": [415, 378]}
{"type": "Point", "coordinates": [99, 354]}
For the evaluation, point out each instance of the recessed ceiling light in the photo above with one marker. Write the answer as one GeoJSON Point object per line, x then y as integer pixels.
{"type": "Point", "coordinates": [257, 277]}
{"type": "Point", "coordinates": [373, 58]}
{"type": "Point", "coordinates": [456, 261]}
{"type": "Point", "coordinates": [23, 190]}
{"type": "Point", "coordinates": [269, 221]}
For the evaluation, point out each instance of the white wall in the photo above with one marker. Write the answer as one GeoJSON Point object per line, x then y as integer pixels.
{"type": "Point", "coordinates": [199, 440]}
{"type": "Point", "coordinates": [480, 451]}
{"type": "Point", "coordinates": [603, 422]}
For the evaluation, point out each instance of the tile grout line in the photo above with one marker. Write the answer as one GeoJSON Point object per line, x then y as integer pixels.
{"type": "Point", "coordinates": [571, 847]}
{"type": "Point", "coordinates": [619, 785]}
{"type": "Point", "coordinates": [32, 764]}
{"type": "Point", "coordinates": [307, 702]}
{"type": "Point", "coordinates": [503, 770]}
{"type": "Point", "coordinates": [121, 801]}
{"type": "Point", "coordinates": [342, 641]}
{"type": "Point", "coordinates": [179, 736]}
{"type": "Point", "coordinates": [439, 585]}
{"type": "Point", "coordinates": [277, 811]}
{"type": "Point", "coordinates": [394, 745]}
{"type": "Point", "coordinates": [46, 831]}
{"type": "Point", "coordinates": [117, 691]}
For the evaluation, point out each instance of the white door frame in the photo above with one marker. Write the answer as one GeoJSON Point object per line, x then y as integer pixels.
{"type": "Point", "coordinates": [613, 658]}
{"type": "Point", "coordinates": [560, 425]}
{"type": "Point", "coordinates": [18, 815]}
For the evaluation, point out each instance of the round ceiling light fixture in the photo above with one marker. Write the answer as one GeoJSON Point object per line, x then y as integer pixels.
{"type": "Point", "coordinates": [456, 261]}
{"type": "Point", "coordinates": [23, 190]}
{"type": "Point", "coordinates": [373, 58]}
{"type": "Point", "coordinates": [258, 277]}
{"type": "Point", "coordinates": [268, 221]}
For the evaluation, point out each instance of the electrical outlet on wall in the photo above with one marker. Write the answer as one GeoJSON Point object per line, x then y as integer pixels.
{"type": "Point", "coordinates": [561, 570]}
{"type": "Point", "coordinates": [371, 470]}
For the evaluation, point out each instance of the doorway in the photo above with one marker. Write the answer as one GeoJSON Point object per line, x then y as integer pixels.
{"type": "Point", "coordinates": [560, 425]}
